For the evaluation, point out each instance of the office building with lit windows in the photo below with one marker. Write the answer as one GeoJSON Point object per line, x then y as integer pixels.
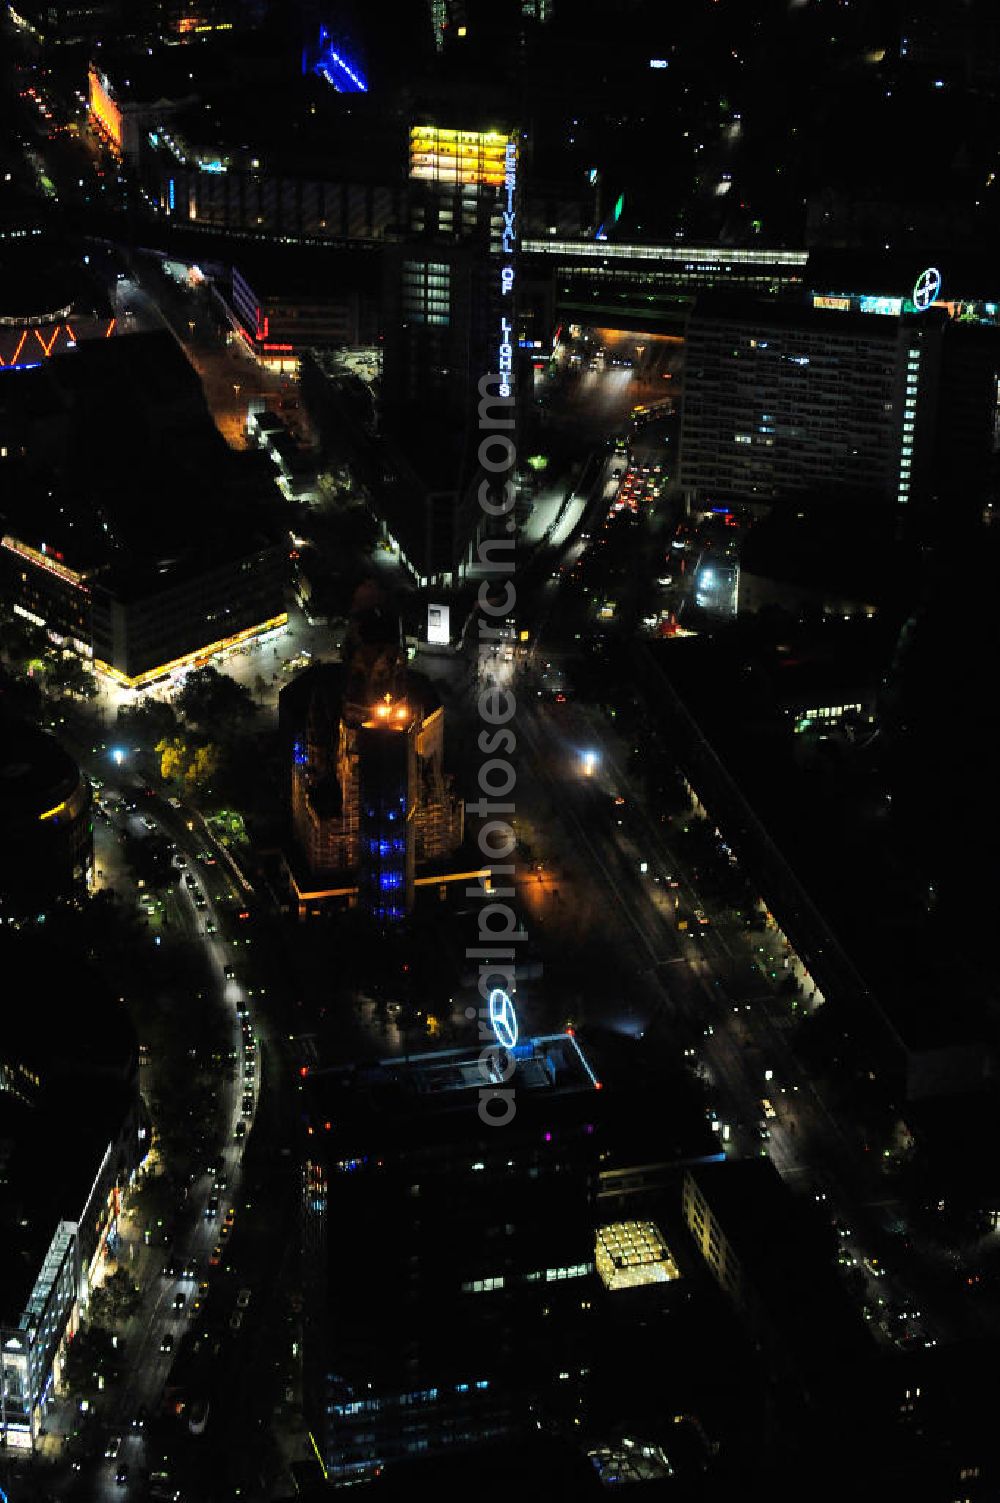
{"type": "Point", "coordinates": [450, 298]}
{"type": "Point", "coordinates": [449, 1265]}
{"type": "Point", "coordinates": [467, 1282]}
{"type": "Point", "coordinates": [781, 400]}
{"type": "Point", "coordinates": [644, 286]}
{"type": "Point", "coordinates": [259, 150]}
{"type": "Point", "coordinates": [72, 1135]}
{"type": "Point", "coordinates": [129, 531]}
{"type": "Point", "coordinates": [772, 1257]}
{"type": "Point", "coordinates": [281, 304]}
{"type": "Point", "coordinates": [839, 398]}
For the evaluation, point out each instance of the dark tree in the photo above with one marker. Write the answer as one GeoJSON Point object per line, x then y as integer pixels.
{"type": "Point", "coordinates": [215, 702]}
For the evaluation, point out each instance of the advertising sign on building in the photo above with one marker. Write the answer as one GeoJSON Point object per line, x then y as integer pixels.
{"type": "Point", "coordinates": [438, 633]}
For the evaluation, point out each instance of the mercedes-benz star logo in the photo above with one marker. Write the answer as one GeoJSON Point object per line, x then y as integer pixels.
{"type": "Point", "coordinates": [503, 1018]}
{"type": "Point", "coordinates": [926, 289]}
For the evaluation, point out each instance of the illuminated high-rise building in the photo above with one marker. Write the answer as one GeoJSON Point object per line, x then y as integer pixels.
{"type": "Point", "coordinates": [464, 1289]}
{"type": "Point", "coordinates": [450, 298]}
{"type": "Point", "coordinates": [780, 400]}
{"type": "Point", "coordinates": [863, 395]}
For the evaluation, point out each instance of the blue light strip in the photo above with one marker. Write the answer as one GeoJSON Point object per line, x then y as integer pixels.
{"type": "Point", "coordinates": [584, 1062]}
{"type": "Point", "coordinates": [346, 80]}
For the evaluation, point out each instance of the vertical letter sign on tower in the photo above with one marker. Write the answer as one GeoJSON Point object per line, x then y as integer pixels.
{"type": "Point", "coordinates": [508, 242]}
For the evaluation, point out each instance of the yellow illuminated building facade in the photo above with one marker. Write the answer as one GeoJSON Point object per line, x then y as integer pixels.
{"type": "Point", "coordinates": [458, 158]}
{"type": "Point", "coordinates": [630, 1254]}
{"type": "Point", "coordinates": [104, 112]}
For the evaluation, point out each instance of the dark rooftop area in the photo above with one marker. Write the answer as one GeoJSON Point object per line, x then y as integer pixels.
{"type": "Point", "coordinates": [35, 771]}
{"type": "Point", "coordinates": [797, 315]}
{"type": "Point", "coordinates": [78, 1042]}
{"type": "Point", "coordinates": [399, 1105]}
{"type": "Point", "coordinates": [786, 1257]}
{"type": "Point", "coordinates": [163, 484]}
{"type": "Point", "coordinates": [820, 797]}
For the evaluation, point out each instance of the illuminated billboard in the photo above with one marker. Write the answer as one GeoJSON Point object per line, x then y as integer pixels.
{"type": "Point", "coordinates": [438, 625]}
{"type": "Point", "coordinates": [458, 157]}
{"type": "Point", "coordinates": [887, 307]}
{"type": "Point", "coordinates": [104, 112]}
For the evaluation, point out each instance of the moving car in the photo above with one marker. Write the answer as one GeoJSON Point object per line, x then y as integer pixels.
{"type": "Point", "coordinates": [199, 1417]}
{"type": "Point", "coordinates": [113, 1446]}
{"type": "Point", "coordinates": [243, 1298]}
{"type": "Point", "coordinates": [167, 1344]}
{"type": "Point", "coordinates": [121, 1476]}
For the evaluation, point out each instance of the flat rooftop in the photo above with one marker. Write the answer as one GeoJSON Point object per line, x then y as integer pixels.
{"type": "Point", "coordinates": [801, 318]}
{"type": "Point", "coordinates": [823, 808]}
{"type": "Point", "coordinates": [124, 467]}
{"type": "Point", "coordinates": [786, 1257]}
{"type": "Point", "coordinates": [552, 1063]}
{"type": "Point", "coordinates": [429, 1099]}
{"type": "Point", "coordinates": [604, 251]}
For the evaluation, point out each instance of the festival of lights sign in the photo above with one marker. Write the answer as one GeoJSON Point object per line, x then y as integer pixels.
{"type": "Point", "coordinates": [508, 244]}
{"type": "Point", "coordinates": [503, 1018]}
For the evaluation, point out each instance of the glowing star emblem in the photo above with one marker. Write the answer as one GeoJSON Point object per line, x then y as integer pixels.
{"type": "Point", "coordinates": [503, 1018]}
{"type": "Point", "coordinates": [926, 289]}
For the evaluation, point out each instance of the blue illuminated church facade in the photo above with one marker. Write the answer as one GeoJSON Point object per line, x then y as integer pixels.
{"type": "Point", "coordinates": [370, 800]}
